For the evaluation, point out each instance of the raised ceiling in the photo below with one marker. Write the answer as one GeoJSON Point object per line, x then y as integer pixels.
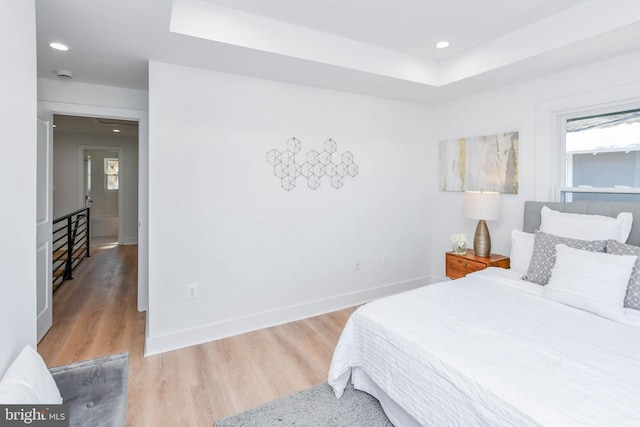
{"type": "Point", "coordinates": [412, 27]}
{"type": "Point", "coordinates": [375, 47]}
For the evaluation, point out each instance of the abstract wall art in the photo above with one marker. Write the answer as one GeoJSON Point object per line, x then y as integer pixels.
{"type": "Point", "coordinates": [315, 166]}
{"type": "Point", "coordinates": [480, 163]}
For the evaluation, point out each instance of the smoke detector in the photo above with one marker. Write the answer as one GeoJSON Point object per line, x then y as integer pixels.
{"type": "Point", "coordinates": [64, 74]}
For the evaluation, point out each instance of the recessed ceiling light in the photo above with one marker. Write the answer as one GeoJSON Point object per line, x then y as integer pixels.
{"type": "Point", "coordinates": [442, 44]}
{"type": "Point", "coordinates": [116, 130]}
{"type": "Point", "coordinates": [59, 46]}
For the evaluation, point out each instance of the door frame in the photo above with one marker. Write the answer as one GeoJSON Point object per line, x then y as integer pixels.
{"type": "Point", "coordinates": [122, 180]}
{"type": "Point", "coordinates": [44, 225]}
{"type": "Point", "coordinates": [142, 117]}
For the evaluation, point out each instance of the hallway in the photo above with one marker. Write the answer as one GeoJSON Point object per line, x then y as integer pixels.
{"type": "Point", "coordinates": [95, 313]}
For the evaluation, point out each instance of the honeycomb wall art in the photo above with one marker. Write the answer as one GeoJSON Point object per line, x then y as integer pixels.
{"type": "Point", "coordinates": [314, 166]}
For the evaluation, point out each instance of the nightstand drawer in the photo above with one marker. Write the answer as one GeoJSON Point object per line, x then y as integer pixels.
{"type": "Point", "coordinates": [459, 265]}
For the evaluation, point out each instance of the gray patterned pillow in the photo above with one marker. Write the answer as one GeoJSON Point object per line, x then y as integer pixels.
{"type": "Point", "coordinates": [544, 254]}
{"type": "Point", "coordinates": [632, 299]}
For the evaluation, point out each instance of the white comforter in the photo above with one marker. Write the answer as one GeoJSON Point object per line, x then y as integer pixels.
{"type": "Point", "coordinates": [490, 350]}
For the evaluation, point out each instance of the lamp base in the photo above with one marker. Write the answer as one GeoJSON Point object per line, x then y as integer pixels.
{"type": "Point", "coordinates": [482, 240]}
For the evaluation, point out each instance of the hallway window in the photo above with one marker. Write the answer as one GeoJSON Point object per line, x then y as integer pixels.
{"type": "Point", "coordinates": [111, 169]}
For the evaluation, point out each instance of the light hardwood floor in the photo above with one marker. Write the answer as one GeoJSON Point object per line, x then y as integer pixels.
{"type": "Point", "coordinates": [95, 315]}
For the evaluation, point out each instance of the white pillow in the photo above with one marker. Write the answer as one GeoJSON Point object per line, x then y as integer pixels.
{"type": "Point", "coordinates": [586, 227]}
{"type": "Point", "coordinates": [521, 251]}
{"type": "Point", "coordinates": [28, 381]}
{"type": "Point", "coordinates": [592, 281]}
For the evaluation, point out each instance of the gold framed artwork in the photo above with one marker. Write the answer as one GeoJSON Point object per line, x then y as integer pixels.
{"type": "Point", "coordinates": [480, 163]}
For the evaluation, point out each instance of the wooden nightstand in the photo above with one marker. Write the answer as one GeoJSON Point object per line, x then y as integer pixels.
{"type": "Point", "coordinates": [460, 265]}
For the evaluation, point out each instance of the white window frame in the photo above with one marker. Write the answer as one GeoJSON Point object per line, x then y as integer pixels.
{"type": "Point", "coordinates": [547, 149]}
{"type": "Point", "coordinates": [107, 175]}
{"type": "Point", "coordinates": [565, 192]}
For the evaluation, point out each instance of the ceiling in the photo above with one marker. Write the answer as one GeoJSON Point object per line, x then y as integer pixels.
{"type": "Point", "coordinates": [95, 126]}
{"type": "Point", "coordinates": [381, 48]}
{"type": "Point", "coordinates": [412, 27]}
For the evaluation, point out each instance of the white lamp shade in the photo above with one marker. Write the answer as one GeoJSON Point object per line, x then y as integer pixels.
{"type": "Point", "coordinates": [481, 205]}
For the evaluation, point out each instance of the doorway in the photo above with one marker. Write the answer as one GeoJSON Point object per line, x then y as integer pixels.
{"type": "Point", "coordinates": [140, 159]}
{"type": "Point", "coordinates": [101, 191]}
{"type": "Point", "coordinates": [94, 163]}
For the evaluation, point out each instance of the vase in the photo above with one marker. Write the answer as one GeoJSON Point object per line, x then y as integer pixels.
{"type": "Point", "coordinates": [460, 248]}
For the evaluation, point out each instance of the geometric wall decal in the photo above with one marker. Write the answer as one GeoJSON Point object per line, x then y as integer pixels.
{"type": "Point", "coordinates": [314, 167]}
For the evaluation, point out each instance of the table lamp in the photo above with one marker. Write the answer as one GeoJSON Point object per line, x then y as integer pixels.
{"type": "Point", "coordinates": [483, 206]}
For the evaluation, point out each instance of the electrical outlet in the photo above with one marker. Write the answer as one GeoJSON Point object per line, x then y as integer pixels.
{"type": "Point", "coordinates": [386, 260]}
{"type": "Point", "coordinates": [192, 291]}
{"type": "Point", "coordinates": [358, 263]}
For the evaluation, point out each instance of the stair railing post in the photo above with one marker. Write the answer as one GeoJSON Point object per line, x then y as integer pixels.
{"type": "Point", "coordinates": [67, 269]}
{"type": "Point", "coordinates": [88, 230]}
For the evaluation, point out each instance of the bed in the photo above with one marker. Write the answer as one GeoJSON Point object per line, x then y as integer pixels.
{"type": "Point", "coordinates": [493, 349]}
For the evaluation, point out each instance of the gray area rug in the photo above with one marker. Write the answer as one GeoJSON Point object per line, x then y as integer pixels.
{"type": "Point", "coordinates": [96, 390]}
{"type": "Point", "coordinates": [316, 406]}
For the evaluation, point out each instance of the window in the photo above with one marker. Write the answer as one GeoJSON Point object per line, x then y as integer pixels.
{"type": "Point", "coordinates": [603, 157]}
{"type": "Point", "coordinates": [111, 169]}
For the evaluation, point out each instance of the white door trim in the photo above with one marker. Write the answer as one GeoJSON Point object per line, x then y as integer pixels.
{"type": "Point", "coordinates": [142, 117]}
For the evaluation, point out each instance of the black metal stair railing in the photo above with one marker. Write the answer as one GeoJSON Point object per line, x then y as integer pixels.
{"type": "Point", "coordinates": [70, 244]}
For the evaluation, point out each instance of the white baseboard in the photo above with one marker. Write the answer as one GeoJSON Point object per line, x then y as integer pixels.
{"type": "Point", "coordinates": [437, 279]}
{"type": "Point", "coordinates": [129, 241]}
{"type": "Point", "coordinates": [215, 331]}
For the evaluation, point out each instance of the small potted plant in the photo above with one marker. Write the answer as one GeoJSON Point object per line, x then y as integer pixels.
{"type": "Point", "coordinates": [459, 242]}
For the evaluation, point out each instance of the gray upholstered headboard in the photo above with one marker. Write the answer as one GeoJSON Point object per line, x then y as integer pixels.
{"type": "Point", "coordinates": [592, 207]}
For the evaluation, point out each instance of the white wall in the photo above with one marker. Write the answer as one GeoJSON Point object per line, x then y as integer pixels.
{"type": "Point", "coordinates": [262, 255]}
{"type": "Point", "coordinates": [18, 177]}
{"type": "Point", "coordinates": [526, 108]}
{"type": "Point", "coordinates": [71, 92]}
{"type": "Point", "coordinates": [67, 172]}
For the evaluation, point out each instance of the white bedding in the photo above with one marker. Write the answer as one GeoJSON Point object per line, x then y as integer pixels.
{"type": "Point", "coordinates": [489, 350]}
